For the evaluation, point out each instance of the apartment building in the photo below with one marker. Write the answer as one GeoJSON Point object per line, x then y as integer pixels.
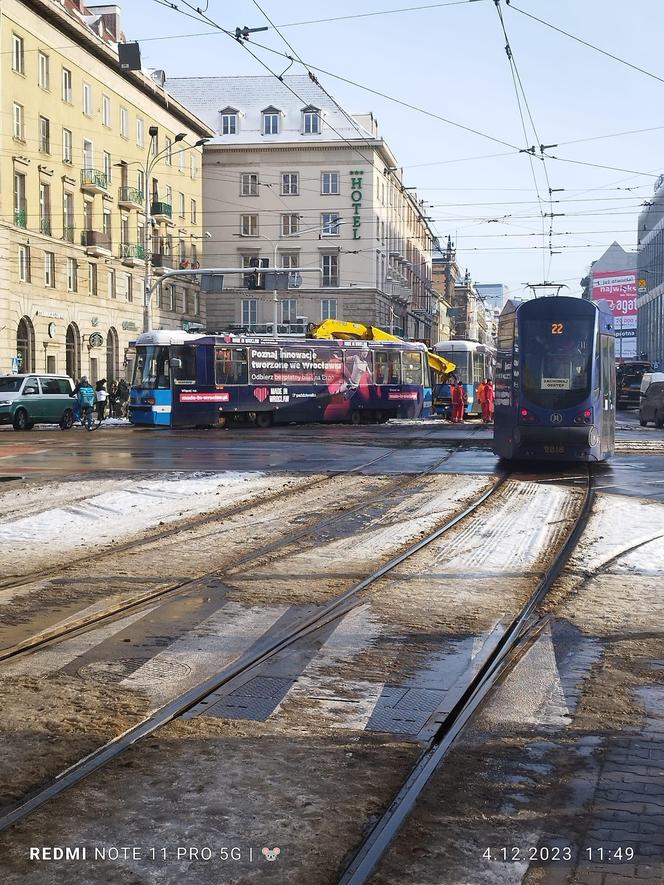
{"type": "Point", "coordinates": [84, 147]}
{"type": "Point", "coordinates": [292, 176]}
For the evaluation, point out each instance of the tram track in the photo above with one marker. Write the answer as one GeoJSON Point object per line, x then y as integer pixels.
{"type": "Point", "coordinates": [75, 626]}
{"type": "Point", "coordinates": [238, 671]}
{"type": "Point", "coordinates": [522, 630]}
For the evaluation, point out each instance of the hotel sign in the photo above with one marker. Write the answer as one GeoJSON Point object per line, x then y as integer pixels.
{"type": "Point", "coordinates": [356, 200]}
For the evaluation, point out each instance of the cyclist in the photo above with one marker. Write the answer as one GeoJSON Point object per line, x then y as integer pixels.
{"type": "Point", "coordinates": [85, 396]}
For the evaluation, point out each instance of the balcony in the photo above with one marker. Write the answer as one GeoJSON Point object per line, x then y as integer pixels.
{"type": "Point", "coordinates": [161, 212]}
{"type": "Point", "coordinates": [162, 262]}
{"type": "Point", "coordinates": [132, 254]}
{"type": "Point", "coordinates": [131, 198]}
{"type": "Point", "coordinates": [93, 181]}
{"type": "Point", "coordinates": [21, 217]}
{"type": "Point", "coordinates": [97, 243]}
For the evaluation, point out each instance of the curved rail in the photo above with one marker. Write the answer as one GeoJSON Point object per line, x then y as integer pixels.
{"type": "Point", "coordinates": [260, 653]}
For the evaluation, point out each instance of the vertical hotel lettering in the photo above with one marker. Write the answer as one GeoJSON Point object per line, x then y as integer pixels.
{"type": "Point", "coordinates": [356, 200]}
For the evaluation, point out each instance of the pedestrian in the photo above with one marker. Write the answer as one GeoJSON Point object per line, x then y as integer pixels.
{"type": "Point", "coordinates": [123, 397]}
{"type": "Point", "coordinates": [458, 403]}
{"type": "Point", "coordinates": [489, 398]}
{"type": "Point", "coordinates": [102, 395]}
{"type": "Point", "coordinates": [480, 395]}
{"type": "Point", "coordinates": [113, 400]}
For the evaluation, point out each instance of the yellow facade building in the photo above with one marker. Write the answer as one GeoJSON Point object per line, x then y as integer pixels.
{"type": "Point", "coordinates": [85, 149]}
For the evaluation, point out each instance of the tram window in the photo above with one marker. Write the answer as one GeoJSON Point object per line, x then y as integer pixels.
{"type": "Point", "coordinates": [388, 367]}
{"type": "Point", "coordinates": [479, 373]}
{"type": "Point", "coordinates": [557, 369]}
{"type": "Point", "coordinates": [358, 366]}
{"type": "Point", "coordinates": [186, 353]}
{"type": "Point", "coordinates": [412, 367]}
{"type": "Point", "coordinates": [230, 365]}
{"type": "Point", "coordinates": [152, 369]}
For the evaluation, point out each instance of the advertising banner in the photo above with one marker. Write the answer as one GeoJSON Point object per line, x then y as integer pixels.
{"type": "Point", "coordinates": [619, 290]}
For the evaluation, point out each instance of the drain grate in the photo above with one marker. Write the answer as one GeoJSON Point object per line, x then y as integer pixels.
{"type": "Point", "coordinates": [404, 710]}
{"type": "Point", "coordinates": [256, 700]}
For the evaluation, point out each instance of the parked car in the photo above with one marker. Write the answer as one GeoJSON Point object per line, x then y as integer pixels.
{"type": "Point", "coordinates": [26, 400]}
{"type": "Point", "coordinates": [652, 405]}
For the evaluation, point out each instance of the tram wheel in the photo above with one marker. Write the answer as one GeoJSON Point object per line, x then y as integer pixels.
{"type": "Point", "coordinates": [643, 423]}
{"type": "Point", "coordinates": [263, 419]}
{"type": "Point", "coordinates": [356, 417]}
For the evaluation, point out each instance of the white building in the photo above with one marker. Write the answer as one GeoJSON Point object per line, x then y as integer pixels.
{"type": "Point", "coordinates": [291, 175]}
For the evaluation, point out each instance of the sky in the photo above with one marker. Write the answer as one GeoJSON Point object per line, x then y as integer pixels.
{"type": "Point", "coordinates": [448, 60]}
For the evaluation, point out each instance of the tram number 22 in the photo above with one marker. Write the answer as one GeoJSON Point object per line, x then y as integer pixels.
{"type": "Point", "coordinates": [557, 328]}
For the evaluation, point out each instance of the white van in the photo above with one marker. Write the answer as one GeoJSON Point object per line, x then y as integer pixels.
{"type": "Point", "coordinates": [650, 378]}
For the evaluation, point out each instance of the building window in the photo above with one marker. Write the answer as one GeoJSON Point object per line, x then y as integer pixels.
{"type": "Point", "coordinates": [181, 160]}
{"type": "Point", "coordinates": [92, 279]}
{"type": "Point", "coordinates": [111, 284]}
{"type": "Point", "coordinates": [20, 201]}
{"type": "Point", "coordinates": [290, 224]}
{"type": "Point", "coordinates": [229, 124]}
{"type": "Point", "coordinates": [140, 133]}
{"type": "Point", "coordinates": [124, 122]}
{"type": "Point", "coordinates": [72, 275]}
{"type": "Point", "coordinates": [68, 217]}
{"type": "Point", "coordinates": [328, 309]}
{"type": "Point", "coordinates": [290, 259]}
{"type": "Point", "coordinates": [249, 311]}
{"type": "Point", "coordinates": [330, 267]}
{"type": "Point", "coordinates": [106, 110]}
{"type": "Point", "coordinates": [44, 70]}
{"type": "Point", "coordinates": [67, 149]}
{"type": "Point", "coordinates": [249, 225]}
{"type": "Point", "coordinates": [106, 222]}
{"type": "Point", "coordinates": [168, 147]}
{"type": "Point", "coordinates": [108, 167]}
{"type": "Point", "coordinates": [45, 209]}
{"type": "Point", "coordinates": [18, 54]}
{"type": "Point", "coordinates": [289, 310]}
{"type": "Point", "coordinates": [193, 166]}
{"type": "Point", "coordinates": [24, 264]}
{"type": "Point", "coordinates": [130, 287]}
{"type": "Point", "coordinates": [329, 224]}
{"type": "Point", "coordinates": [87, 99]}
{"type": "Point", "coordinates": [44, 135]}
{"type": "Point", "coordinates": [271, 121]}
{"type": "Point", "coordinates": [66, 86]}
{"type": "Point", "coordinates": [329, 183]}
{"type": "Point", "coordinates": [248, 184]}
{"type": "Point", "coordinates": [194, 212]}
{"type": "Point", "coordinates": [181, 203]}
{"type": "Point", "coordinates": [289, 184]}
{"type": "Point", "coordinates": [88, 154]}
{"type": "Point", "coordinates": [182, 252]}
{"type": "Point", "coordinates": [140, 183]}
{"type": "Point", "coordinates": [19, 122]}
{"type": "Point", "coordinates": [49, 270]}
{"type": "Point", "coordinates": [311, 122]}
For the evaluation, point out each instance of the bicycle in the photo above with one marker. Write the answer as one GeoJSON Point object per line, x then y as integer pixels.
{"type": "Point", "coordinates": [88, 419]}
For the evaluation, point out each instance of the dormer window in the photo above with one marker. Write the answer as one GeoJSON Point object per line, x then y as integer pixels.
{"type": "Point", "coordinates": [229, 121]}
{"type": "Point", "coordinates": [311, 121]}
{"type": "Point", "coordinates": [271, 121]}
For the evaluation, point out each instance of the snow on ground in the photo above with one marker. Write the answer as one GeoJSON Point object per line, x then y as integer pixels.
{"type": "Point", "coordinates": [119, 514]}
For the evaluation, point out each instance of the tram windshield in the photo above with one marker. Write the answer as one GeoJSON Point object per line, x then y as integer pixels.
{"type": "Point", "coordinates": [152, 368]}
{"type": "Point", "coordinates": [461, 360]}
{"type": "Point", "coordinates": [557, 361]}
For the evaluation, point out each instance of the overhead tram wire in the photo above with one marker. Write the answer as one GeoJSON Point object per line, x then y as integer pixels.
{"type": "Point", "coordinates": [583, 42]}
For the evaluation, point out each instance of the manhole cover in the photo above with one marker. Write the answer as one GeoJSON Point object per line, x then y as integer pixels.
{"type": "Point", "coordinates": [112, 672]}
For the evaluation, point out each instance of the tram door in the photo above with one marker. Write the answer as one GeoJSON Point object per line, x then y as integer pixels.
{"type": "Point", "coordinates": [608, 403]}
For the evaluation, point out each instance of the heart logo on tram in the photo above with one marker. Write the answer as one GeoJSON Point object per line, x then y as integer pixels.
{"type": "Point", "coordinates": [261, 393]}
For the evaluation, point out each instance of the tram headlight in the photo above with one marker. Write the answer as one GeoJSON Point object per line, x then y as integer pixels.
{"type": "Point", "coordinates": [585, 417]}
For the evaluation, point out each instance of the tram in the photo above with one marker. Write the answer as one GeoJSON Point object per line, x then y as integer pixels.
{"type": "Point", "coordinates": [185, 380]}
{"type": "Point", "coordinates": [473, 363]}
{"type": "Point", "coordinates": [555, 381]}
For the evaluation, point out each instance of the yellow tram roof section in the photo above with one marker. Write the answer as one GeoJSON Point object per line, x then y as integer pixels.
{"type": "Point", "coordinates": [347, 331]}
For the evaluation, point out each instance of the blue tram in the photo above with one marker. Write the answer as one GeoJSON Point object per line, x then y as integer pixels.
{"type": "Point", "coordinates": [474, 362]}
{"type": "Point", "coordinates": [184, 380]}
{"type": "Point", "coordinates": [555, 381]}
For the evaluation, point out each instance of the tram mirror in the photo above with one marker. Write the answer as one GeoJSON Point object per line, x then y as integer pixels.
{"type": "Point", "coordinates": [176, 363]}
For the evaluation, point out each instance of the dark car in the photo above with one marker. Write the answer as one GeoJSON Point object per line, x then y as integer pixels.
{"type": "Point", "coordinates": [652, 405]}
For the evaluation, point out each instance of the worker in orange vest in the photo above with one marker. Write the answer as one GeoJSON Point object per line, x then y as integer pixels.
{"type": "Point", "coordinates": [487, 403]}
{"type": "Point", "coordinates": [458, 403]}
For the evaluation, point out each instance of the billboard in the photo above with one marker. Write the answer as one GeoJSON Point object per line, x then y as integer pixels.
{"type": "Point", "coordinates": [618, 289]}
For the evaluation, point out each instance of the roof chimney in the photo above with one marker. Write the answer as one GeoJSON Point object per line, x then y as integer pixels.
{"type": "Point", "coordinates": [110, 16]}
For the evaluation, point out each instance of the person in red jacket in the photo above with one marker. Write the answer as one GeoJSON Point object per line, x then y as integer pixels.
{"type": "Point", "coordinates": [458, 402]}
{"type": "Point", "coordinates": [487, 404]}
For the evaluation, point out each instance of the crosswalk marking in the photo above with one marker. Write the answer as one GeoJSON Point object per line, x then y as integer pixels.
{"type": "Point", "coordinates": [208, 648]}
